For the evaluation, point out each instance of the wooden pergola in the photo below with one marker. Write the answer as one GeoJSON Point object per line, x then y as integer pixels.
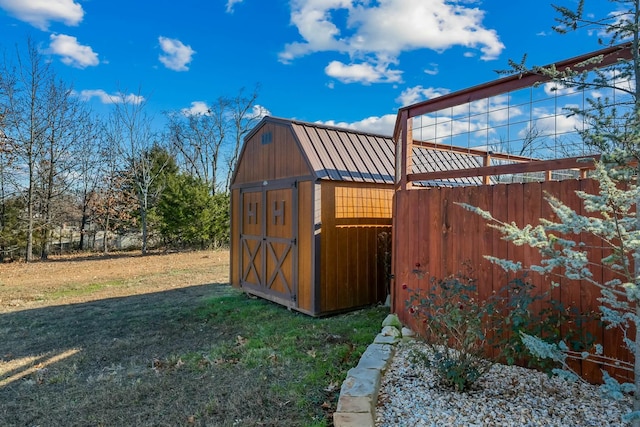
{"type": "Point", "coordinates": [405, 143]}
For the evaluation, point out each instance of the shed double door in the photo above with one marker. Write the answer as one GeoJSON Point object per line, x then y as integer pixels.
{"type": "Point", "coordinates": [268, 242]}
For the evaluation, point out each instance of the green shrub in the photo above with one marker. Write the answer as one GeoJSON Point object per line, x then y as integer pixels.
{"type": "Point", "coordinates": [464, 335]}
{"type": "Point", "coordinates": [519, 308]}
{"type": "Point", "coordinates": [451, 321]}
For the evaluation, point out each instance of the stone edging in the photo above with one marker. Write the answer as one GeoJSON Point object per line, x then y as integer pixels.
{"type": "Point", "coordinates": [359, 392]}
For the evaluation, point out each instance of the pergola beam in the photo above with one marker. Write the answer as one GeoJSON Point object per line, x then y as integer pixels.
{"type": "Point", "coordinates": [577, 163]}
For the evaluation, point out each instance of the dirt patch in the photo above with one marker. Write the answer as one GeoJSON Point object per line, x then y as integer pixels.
{"type": "Point", "coordinates": [75, 279]}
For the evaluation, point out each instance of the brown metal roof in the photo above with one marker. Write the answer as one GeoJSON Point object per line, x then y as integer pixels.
{"type": "Point", "coordinates": [340, 154]}
{"type": "Point", "coordinates": [434, 160]}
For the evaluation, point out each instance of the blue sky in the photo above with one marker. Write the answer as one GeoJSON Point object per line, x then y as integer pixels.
{"type": "Point", "coordinates": [341, 62]}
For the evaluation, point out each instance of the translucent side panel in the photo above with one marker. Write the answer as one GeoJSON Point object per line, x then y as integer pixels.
{"type": "Point", "coordinates": [356, 202]}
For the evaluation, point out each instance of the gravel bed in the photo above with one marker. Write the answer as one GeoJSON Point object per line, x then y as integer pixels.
{"type": "Point", "coordinates": [505, 396]}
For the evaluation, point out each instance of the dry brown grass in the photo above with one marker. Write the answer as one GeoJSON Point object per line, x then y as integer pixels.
{"type": "Point", "coordinates": [75, 279]}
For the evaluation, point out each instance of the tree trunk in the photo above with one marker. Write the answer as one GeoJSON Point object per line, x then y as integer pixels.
{"type": "Point", "coordinates": [29, 249]}
{"type": "Point", "coordinates": [143, 224]}
{"type": "Point", "coordinates": [105, 246]}
{"type": "Point", "coordinates": [83, 231]}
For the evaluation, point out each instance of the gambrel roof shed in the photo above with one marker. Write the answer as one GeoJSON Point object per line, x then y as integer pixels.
{"type": "Point", "coordinates": [311, 214]}
{"type": "Point", "coordinates": [341, 154]}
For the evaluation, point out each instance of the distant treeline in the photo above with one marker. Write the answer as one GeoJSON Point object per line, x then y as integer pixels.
{"type": "Point", "coordinates": [64, 167]}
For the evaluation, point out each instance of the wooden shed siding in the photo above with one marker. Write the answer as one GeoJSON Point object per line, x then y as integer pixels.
{"type": "Point", "coordinates": [305, 246]}
{"type": "Point", "coordinates": [352, 268]}
{"type": "Point", "coordinates": [433, 237]}
{"type": "Point", "coordinates": [328, 248]}
{"type": "Point", "coordinates": [277, 160]}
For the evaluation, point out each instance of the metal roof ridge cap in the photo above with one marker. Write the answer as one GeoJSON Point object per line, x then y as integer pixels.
{"type": "Point", "coordinates": [338, 128]}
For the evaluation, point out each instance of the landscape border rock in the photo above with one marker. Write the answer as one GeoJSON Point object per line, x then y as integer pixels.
{"type": "Point", "coordinates": [359, 391]}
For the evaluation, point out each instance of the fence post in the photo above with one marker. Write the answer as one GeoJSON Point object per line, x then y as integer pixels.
{"type": "Point", "coordinates": [486, 179]}
{"type": "Point", "coordinates": [406, 148]}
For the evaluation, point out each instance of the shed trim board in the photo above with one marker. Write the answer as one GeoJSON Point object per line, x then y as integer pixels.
{"type": "Point", "coordinates": [316, 201]}
{"type": "Point", "coordinates": [274, 182]}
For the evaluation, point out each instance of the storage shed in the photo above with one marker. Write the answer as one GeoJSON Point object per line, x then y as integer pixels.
{"type": "Point", "coordinates": [311, 216]}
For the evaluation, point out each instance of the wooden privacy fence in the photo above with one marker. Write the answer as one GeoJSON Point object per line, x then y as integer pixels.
{"type": "Point", "coordinates": [434, 237]}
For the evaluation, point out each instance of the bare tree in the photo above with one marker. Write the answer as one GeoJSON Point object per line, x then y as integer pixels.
{"type": "Point", "coordinates": [88, 154]}
{"type": "Point", "coordinates": [25, 126]}
{"type": "Point", "coordinates": [110, 203]}
{"type": "Point", "coordinates": [529, 144]}
{"type": "Point", "coordinates": [3, 190]}
{"type": "Point", "coordinates": [208, 144]}
{"type": "Point", "coordinates": [67, 127]}
{"type": "Point", "coordinates": [133, 128]}
{"type": "Point", "coordinates": [243, 118]}
{"type": "Point", "coordinates": [7, 83]}
{"type": "Point", "coordinates": [198, 139]}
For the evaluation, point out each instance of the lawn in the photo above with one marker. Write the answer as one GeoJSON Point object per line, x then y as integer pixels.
{"type": "Point", "coordinates": [163, 340]}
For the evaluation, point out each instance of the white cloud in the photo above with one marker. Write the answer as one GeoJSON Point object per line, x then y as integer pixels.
{"type": "Point", "coordinates": [376, 33]}
{"type": "Point", "coordinates": [201, 108]}
{"type": "Point", "coordinates": [399, 25]}
{"type": "Point", "coordinates": [472, 124]}
{"type": "Point", "coordinates": [498, 109]}
{"type": "Point", "coordinates": [622, 84]}
{"type": "Point", "coordinates": [620, 18]}
{"type": "Point", "coordinates": [105, 98]}
{"type": "Point", "coordinates": [176, 54]}
{"type": "Point", "coordinates": [419, 93]}
{"type": "Point", "coordinates": [442, 128]}
{"type": "Point", "coordinates": [231, 4]}
{"type": "Point", "coordinates": [558, 89]}
{"type": "Point", "coordinates": [197, 108]}
{"type": "Point", "coordinates": [40, 13]}
{"type": "Point", "coordinates": [553, 122]}
{"type": "Point", "coordinates": [433, 70]}
{"type": "Point", "coordinates": [364, 73]}
{"type": "Point", "coordinates": [72, 53]}
{"type": "Point", "coordinates": [259, 111]}
{"type": "Point", "coordinates": [378, 125]}
{"type": "Point", "coordinates": [313, 20]}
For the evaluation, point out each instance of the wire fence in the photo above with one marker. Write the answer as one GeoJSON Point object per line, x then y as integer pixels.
{"type": "Point", "coordinates": [539, 122]}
